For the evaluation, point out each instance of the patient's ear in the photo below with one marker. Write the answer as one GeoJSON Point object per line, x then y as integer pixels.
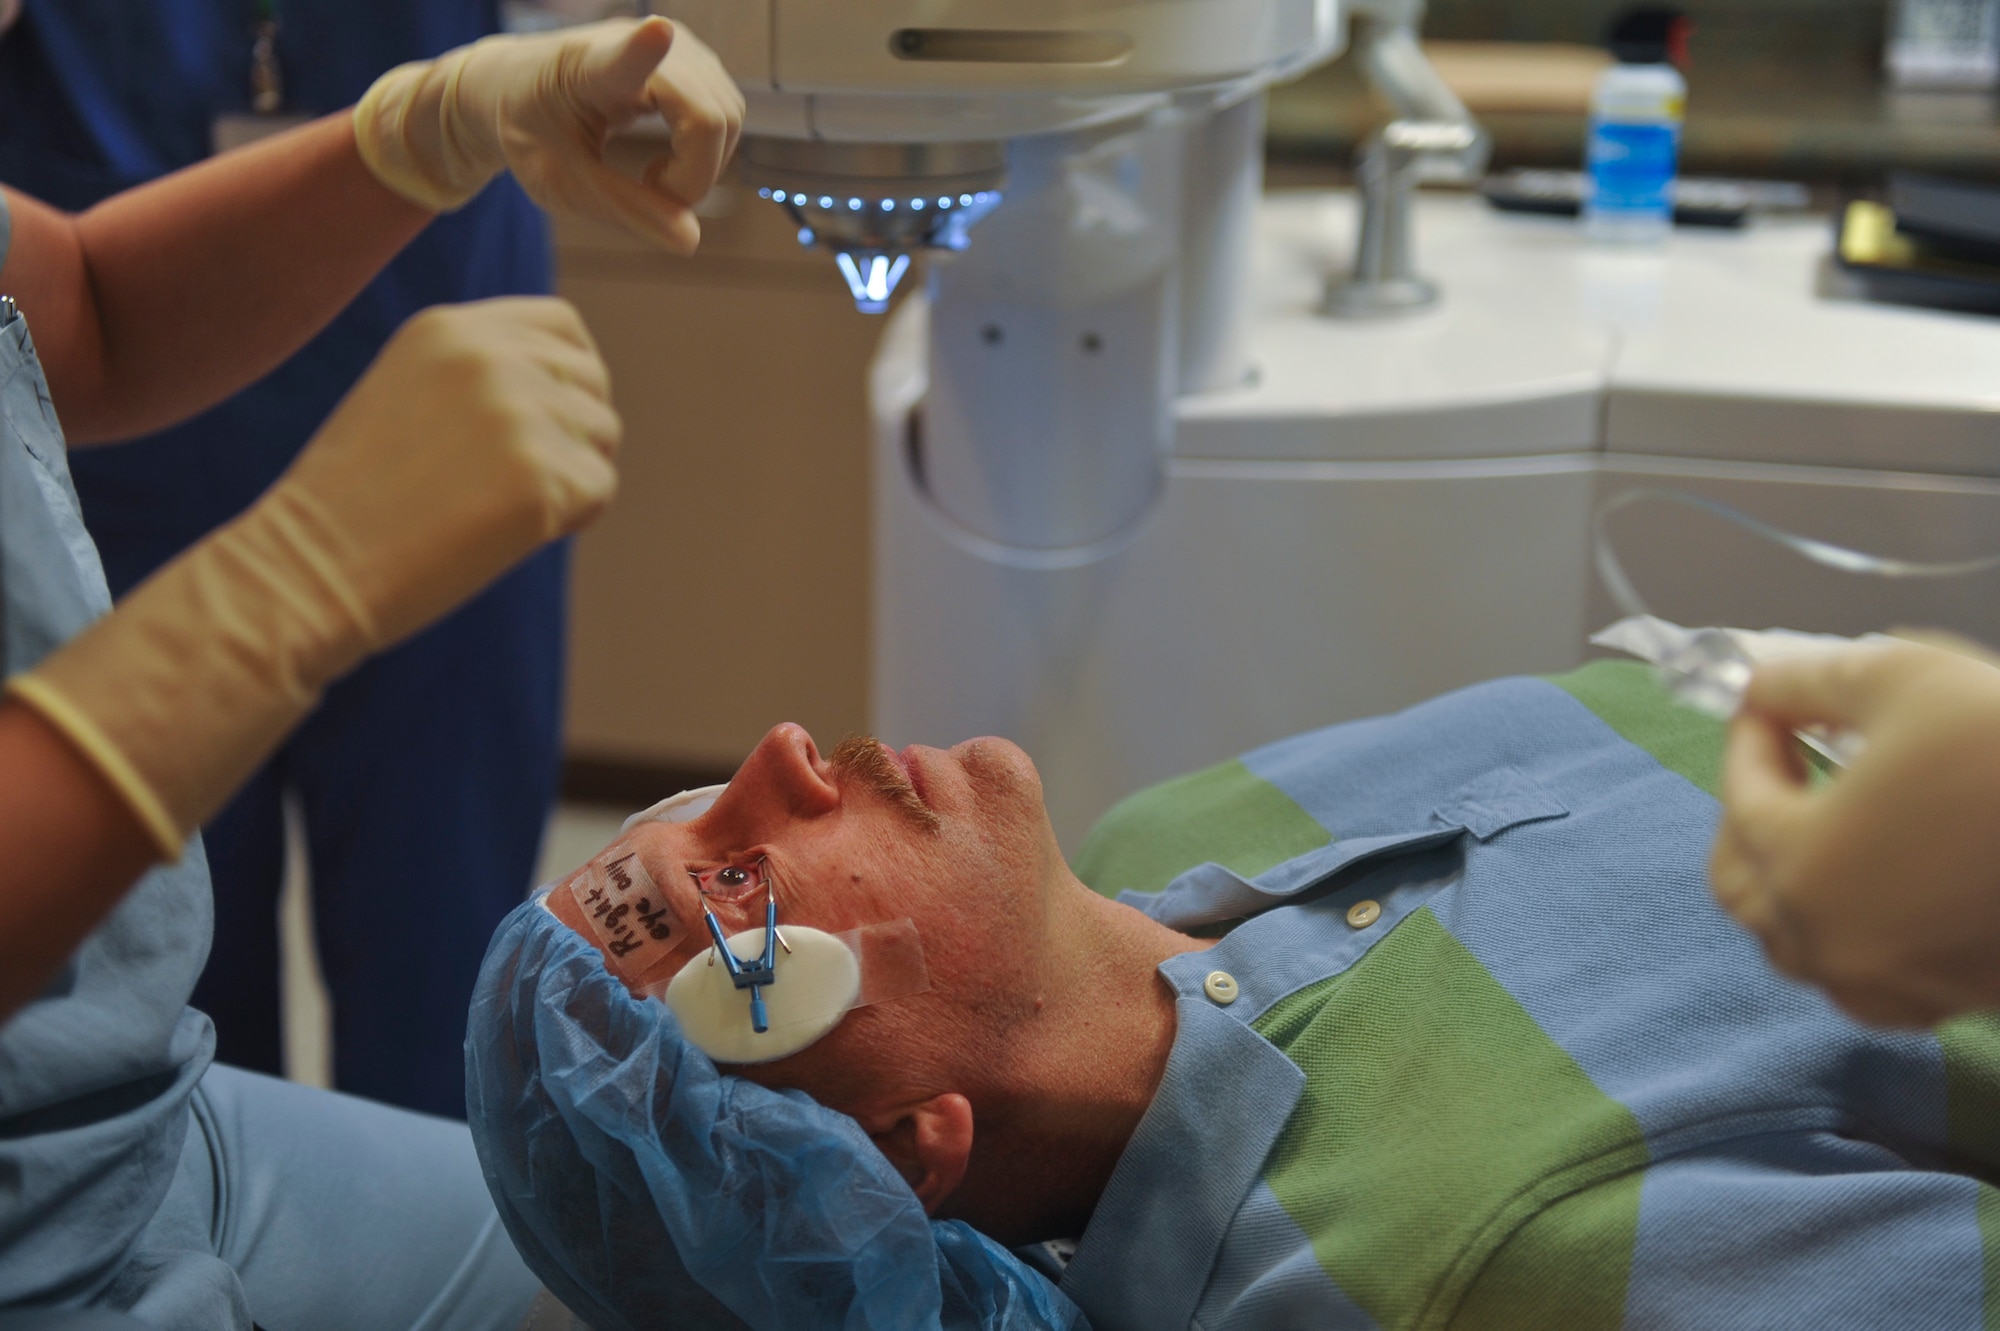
{"type": "Point", "coordinates": [928, 1142]}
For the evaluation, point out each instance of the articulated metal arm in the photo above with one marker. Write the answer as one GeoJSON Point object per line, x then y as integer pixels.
{"type": "Point", "coordinates": [1432, 138]}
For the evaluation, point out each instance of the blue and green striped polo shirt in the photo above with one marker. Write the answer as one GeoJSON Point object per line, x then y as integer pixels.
{"type": "Point", "coordinates": [1544, 1082]}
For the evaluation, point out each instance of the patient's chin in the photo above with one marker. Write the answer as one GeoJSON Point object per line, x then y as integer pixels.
{"type": "Point", "coordinates": [1002, 766]}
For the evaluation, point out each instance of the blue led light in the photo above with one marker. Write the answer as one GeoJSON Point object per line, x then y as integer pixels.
{"type": "Point", "coordinates": [944, 201]}
{"type": "Point", "coordinates": [805, 235]}
{"type": "Point", "coordinates": [825, 201]}
{"type": "Point", "coordinates": [764, 193]}
{"type": "Point", "coordinates": [854, 205]}
{"type": "Point", "coordinates": [888, 205]}
{"type": "Point", "coordinates": [951, 232]}
{"type": "Point", "coordinates": [799, 199]}
{"type": "Point", "coordinates": [916, 205]}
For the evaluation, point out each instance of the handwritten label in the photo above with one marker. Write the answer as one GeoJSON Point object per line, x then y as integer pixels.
{"type": "Point", "coordinates": [626, 911]}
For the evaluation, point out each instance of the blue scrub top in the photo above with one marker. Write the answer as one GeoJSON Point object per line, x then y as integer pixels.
{"type": "Point", "coordinates": [95, 1075]}
{"type": "Point", "coordinates": [99, 95]}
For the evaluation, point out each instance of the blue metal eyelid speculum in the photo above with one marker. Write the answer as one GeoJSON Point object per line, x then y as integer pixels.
{"type": "Point", "coordinates": [751, 975]}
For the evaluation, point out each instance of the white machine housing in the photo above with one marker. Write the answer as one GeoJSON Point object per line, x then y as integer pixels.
{"type": "Point", "coordinates": [916, 71]}
{"type": "Point", "coordinates": [1387, 511]}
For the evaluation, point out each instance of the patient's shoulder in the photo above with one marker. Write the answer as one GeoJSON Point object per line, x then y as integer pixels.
{"type": "Point", "coordinates": [1386, 774]}
{"type": "Point", "coordinates": [1225, 814]}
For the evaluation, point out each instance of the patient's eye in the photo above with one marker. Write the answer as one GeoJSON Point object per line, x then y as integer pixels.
{"type": "Point", "coordinates": [731, 883]}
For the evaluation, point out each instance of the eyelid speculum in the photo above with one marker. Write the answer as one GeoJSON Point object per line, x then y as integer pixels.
{"type": "Point", "coordinates": [746, 973]}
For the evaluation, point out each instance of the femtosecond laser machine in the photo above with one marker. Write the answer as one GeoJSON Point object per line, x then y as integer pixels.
{"type": "Point", "coordinates": [1166, 469]}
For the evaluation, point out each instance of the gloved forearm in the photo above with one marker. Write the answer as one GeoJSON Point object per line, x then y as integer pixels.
{"type": "Point", "coordinates": [481, 432]}
{"type": "Point", "coordinates": [190, 684]}
{"type": "Point", "coordinates": [646, 1189]}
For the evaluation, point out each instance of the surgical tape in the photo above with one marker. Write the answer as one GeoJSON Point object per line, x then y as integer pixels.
{"type": "Point", "coordinates": [627, 913]}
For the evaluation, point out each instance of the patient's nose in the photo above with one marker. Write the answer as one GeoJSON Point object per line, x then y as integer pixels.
{"type": "Point", "coordinates": [784, 775]}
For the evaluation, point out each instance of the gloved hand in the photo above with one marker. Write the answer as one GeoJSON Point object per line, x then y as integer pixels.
{"type": "Point", "coordinates": [479, 433]}
{"type": "Point", "coordinates": [648, 1190]}
{"type": "Point", "coordinates": [545, 107]}
{"type": "Point", "coordinates": [1880, 884]}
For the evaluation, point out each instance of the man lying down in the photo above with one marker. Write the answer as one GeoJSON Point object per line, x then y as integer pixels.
{"type": "Point", "coordinates": [1420, 1021]}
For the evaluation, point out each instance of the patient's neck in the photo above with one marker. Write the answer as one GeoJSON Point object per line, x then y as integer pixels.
{"type": "Point", "coordinates": [1083, 1070]}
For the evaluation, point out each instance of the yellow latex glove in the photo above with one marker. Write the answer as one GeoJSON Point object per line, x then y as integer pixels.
{"type": "Point", "coordinates": [544, 107]}
{"type": "Point", "coordinates": [480, 432]}
{"type": "Point", "coordinates": [1881, 885]}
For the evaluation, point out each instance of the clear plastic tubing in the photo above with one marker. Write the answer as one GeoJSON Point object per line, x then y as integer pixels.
{"type": "Point", "coordinates": [1634, 149]}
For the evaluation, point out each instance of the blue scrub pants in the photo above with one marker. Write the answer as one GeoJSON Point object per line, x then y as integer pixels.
{"type": "Point", "coordinates": [333, 1213]}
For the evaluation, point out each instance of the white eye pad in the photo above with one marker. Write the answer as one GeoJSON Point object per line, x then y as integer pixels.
{"type": "Point", "coordinates": [682, 808]}
{"type": "Point", "coordinates": [823, 978]}
{"type": "Point", "coordinates": [818, 981]}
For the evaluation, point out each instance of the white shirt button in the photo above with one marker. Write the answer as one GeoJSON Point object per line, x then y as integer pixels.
{"type": "Point", "coordinates": [1221, 986]}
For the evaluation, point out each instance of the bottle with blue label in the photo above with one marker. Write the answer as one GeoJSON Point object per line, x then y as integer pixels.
{"type": "Point", "coordinates": [1635, 130]}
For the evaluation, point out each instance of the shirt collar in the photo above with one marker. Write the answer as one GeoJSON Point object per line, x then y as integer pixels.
{"type": "Point", "coordinates": [1226, 1094]}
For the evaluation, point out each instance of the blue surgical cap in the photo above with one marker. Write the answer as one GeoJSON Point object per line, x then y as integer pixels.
{"type": "Point", "coordinates": [646, 1189]}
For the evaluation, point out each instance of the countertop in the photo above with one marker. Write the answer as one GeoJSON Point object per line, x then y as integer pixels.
{"type": "Point", "coordinates": [1824, 122]}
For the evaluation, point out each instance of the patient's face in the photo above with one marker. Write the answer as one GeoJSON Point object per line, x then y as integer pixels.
{"type": "Point", "coordinates": [954, 839]}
